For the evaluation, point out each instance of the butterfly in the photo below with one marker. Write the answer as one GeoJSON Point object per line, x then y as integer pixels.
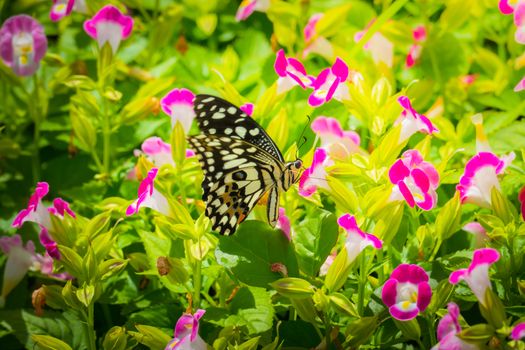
{"type": "Point", "coordinates": [241, 163]}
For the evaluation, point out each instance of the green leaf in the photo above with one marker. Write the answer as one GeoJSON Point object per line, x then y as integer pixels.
{"type": "Point", "coordinates": [83, 129]}
{"type": "Point", "coordinates": [49, 343]}
{"type": "Point", "coordinates": [178, 145]}
{"type": "Point", "coordinates": [314, 239]}
{"type": "Point", "coordinates": [71, 261]}
{"type": "Point", "coordinates": [250, 253]}
{"type": "Point", "coordinates": [115, 339]}
{"type": "Point", "coordinates": [150, 336]}
{"type": "Point", "coordinates": [502, 207]}
{"type": "Point", "coordinates": [443, 57]}
{"type": "Point", "coordinates": [338, 271]}
{"type": "Point", "coordinates": [410, 329]}
{"type": "Point", "coordinates": [448, 218]}
{"type": "Point", "coordinates": [254, 307]}
{"type": "Point", "coordinates": [293, 288]}
{"type": "Point", "coordinates": [155, 246]}
{"type": "Point", "coordinates": [343, 305]}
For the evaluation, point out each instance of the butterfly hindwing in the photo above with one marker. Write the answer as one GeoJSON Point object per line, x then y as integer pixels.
{"type": "Point", "coordinates": [236, 176]}
{"type": "Point", "coordinates": [216, 116]}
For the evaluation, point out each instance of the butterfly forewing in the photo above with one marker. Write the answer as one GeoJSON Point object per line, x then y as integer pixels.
{"type": "Point", "coordinates": [216, 116]}
{"type": "Point", "coordinates": [236, 176]}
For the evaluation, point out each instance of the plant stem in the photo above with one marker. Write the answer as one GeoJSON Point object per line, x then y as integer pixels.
{"type": "Point", "coordinates": [90, 327]}
{"type": "Point", "coordinates": [362, 284]}
{"type": "Point", "coordinates": [431, 332]}
{"type": "Point", "coordinates": [106, 132]}
{"type": "Point", "coordinates": [35, 164]}
{"type": "Point", "coordinates": [197, 278]}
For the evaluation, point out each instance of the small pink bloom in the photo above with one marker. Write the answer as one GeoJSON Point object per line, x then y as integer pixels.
{"type": "Point", "coordinates": [339, 143]}
{"type": "Point", "coordinates": [519, 21]}
{"type": "Point", "coordinates": [48, 243]}
{"type": "Point", "coordinates": [507, 6]}
{"type": "Point", "coordinates": [109, 25]}
{"type": "Point", "coordinates": [381, 49]}
{"type": "Point", "coordinates": [356, 239]}
{"type": "Point", "coordinates": [407, 292]}
{"type": "Point", "coordinates": [480, 177]}
{"type": "Point", "coordinates": [247, 7]}
{"type": "Point", "coordinates": [330, 83]}
{"type": "Point", "coordinates": [479, 233]}
{"type": "Point", "coordinates": [23, 44]}
{"type": "Point", "coordinates": [521, 199]}
{"type": "Point", "coordinates": [315, 175]}
{"type": "Point", "coordinates": [178, 104]}
{"type": "Point", "coordinates": [60, 9]}
{"type": "Point", "coordinates": [291, 72]}
{"type": "Point", "coordinates": [412, 122]}
{"type": "Point", "coordinates": [520, 86]}
{"type": "Point", "coordinates": [187, 333]}
{"type": "Point", "coordinates": [247, 108]}
{"type": "Point", "coordinates": [327, 263]}
{"type": "Point", "coordinates": [283, 223]}
{"type": "Point", "coordinates": [60, 208]}
{"type": "Point", "coordinates": [35, 211]}
{"type": "Point", "coordinates": [420, 35]}
{"type": "Point", "coordinates": [159, 152]}
{"type": "Point", "coordinates": [414, 180]}
{"type": "Point", "coordinates": [518, 332]}
{"type": "Point", "coordinates": [477, 274]}
{"type": "Point", "coordinates": [447, 331]}
{"type": "Point", "coordinates": [469, 79]}
{"type": "Point", "coordinates": [314, 42]}
{"type": "Point", "coordinates": [149, 197]}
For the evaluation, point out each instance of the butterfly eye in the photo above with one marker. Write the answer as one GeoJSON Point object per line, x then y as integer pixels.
{"type": "Point", "coordinates": [298, 164]}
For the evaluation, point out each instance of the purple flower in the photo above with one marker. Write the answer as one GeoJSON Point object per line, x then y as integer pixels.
{"type": "Point", "coordinates": [356, 239]}
{"type": "Point", "coordinates": [412, 122]}
{"type": "Point", "coordinates": [407, 292]}
{"type": "Point", "coordinates": [477, 274]}
{"type": "Point", "coordinates": [315, 175]}
{"type": "Point", "coordinates": [414, 180]}
{"type": "Point", "coordinates": [314, 42]}
{"type": "Point", "coordinates": [420, 35]}
{"type": "Point", "coordinates": [186, 335]}
{"type": "Point", "coordinates": [330, 83]}
{"type": "Point", "coordinates": [283, 223]}
{"type": "Point", "coordinates": [247, 7]}
{"type": "Point", "coordinates": [149, 197]}
{"type": "Point", "coordinates": [22, 44]}
{"type": "Point", "coordinates": [480, 177]}
{"type": "Point", "coordinates": [159, 152]}
{"type": "Point", "coordinates": [339, 143]}
{"type": "Point", "coordinates": [63, 8]}
{"type": "Point", "coordinates": [178, 104]}
{"type": "Point", "coordinates": [291, 72]}
{"type": "Point", "coordinates": [109, 25]}
{"type": "Point", "coordinates": [447, 331]}
{"type": "Point", "coordinates": [518, 332]}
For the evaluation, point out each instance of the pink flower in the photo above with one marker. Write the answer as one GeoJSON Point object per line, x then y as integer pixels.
{"type": "Point", "coordinates": [420, 35]}
{"type": "Point", "coordinates": [507, 6]}
{"type": "Point", "coordinates": [412, 122]}
{"type": "Point", "coordinates": [35, 211]}
{"type": "Point", "coordinates": [60, 208]}
{"type": "Point", "coordinates": [178, 104]}
{"type": "Point", "coordinates": [479, 233]}
{"type": "Point", "coordinates": [447, 331]}
{"type": "Point", "coordinates": [518, 332]}
{"type": "Point", "coordinates": [149, 197]}
{"type": "Point", "coordinates": [414, 180]}
{"type": "Point", "coordinates": [283, 223]}
{"type": "Point", "coordinates": [477, 274]}
{"type": "Point", "coordinates": [22, 44]}
{"type": "Point", "coordinates": [291, 72]}
{"type": "Point", "coordinates": [520, 86]}
{"type": "Point", "coordinates": [247, 7]}
{"type": "Point", "coordinates": [48, 243]}
{"type": "Point", "coordinates": [521, 199]}
{"type": "Point", "coordinates": [356, 239]}
{"type": "Point", "coordinates": [109, 25]}
{"type": "Point", "coordinates": [315, 175]}
{"type": "Point", "coordinates": [314, 42]}
{"type": "Point", "coordinates": [159, 152]}
{"type": "Point", "coordinates": [339, 143]}
{"type": "Point", "coordinates": [327, 263]}
{"type": "Point", "coordinates": [407, 292]}
{"type": "Point", "coordinates": [480, 177]}
{"type": "Point", "coordinates": [381, 49]}
{"type": "Point", "coordinates": [63, 8]}
{"type": "Point", "coordinates": [187, 333]}
{"type": "Point", "coordinates": [247, 108]}
{"type": "Point", "coordinates": [469, 79]}
{"type": "Point", "coordinates": [330, 83]}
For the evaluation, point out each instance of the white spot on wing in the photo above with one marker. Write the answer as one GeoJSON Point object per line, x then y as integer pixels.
{"type": "Point", "coordinates": [240, 131]}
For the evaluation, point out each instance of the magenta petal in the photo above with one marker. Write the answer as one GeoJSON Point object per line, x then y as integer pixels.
{"type": "Point", "coordinates": [321, 78]}
{"type": "Point", "coordinates": [420, 179]}
{"type": "Point", "coordinates": [424, 294]}
{"type": "Point", "coordinates": [340, 69]}
{"type": "Point", "coordinates": [402, 315]}
{"type": "Point", "coordinates": [398, 172]}
{"type": "Point", "coordinates": [347, 222]}
{"type": "Point", "coordinates": [505, 7]}
{"type": "Point", "coordinates": [280, 63]}
{"type": "Point", "coordinates": [315, 101]}
{"type": "Point", "coordinates": [405, 191]}
{"type": "Point", "coordinates": [518, 332]}
{"type": "Point", "coordinates": [457, 276]}
{"type": "Point", "coordinates": [389, 292]}
{"type": "Point", "coordinates": [483, 256]}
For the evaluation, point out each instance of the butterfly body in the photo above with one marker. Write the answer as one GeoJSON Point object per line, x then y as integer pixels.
{"type": "Point", "coordinates": [240, 163]}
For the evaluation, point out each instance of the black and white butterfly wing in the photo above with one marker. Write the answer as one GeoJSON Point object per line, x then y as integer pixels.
{"type": "Point", "coordinates": [236, 175]}
{"type": "Point", "coordinates": [216, 116]}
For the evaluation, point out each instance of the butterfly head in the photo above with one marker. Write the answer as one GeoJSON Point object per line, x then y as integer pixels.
{"type": "Point", "coordinates": [292, 173]}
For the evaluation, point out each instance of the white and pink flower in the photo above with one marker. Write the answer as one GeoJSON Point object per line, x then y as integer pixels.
{"type": "Point", "coordinates": [520, 86]}
{"type": "Point", "coordinates": [23, 44]}
{"type": "Point", "coordinates": [291, 72]}
{"type": "Point", "coordinates": [356, 240]}
{"type": "Point", "coordinates": [109, 25]}
{"type": "Point", "coordinates": [159, 152]}
{"type": "Point", "coordinates": [477, 274]}
{"type": "Point", "coordinates": [518, 332]}
{"type": "Point", "coordinates": [407, 292]}
{"type": "Point", "coordinates": [339, 143]}
{"type": "Point", "coordinates": [420, 35]}
{"type": "Point", "coordinates": [330, 83]}
{"type": "Point", "coordinates": [247, 7]}
{"type": "Point", "coordinates": [178, 104]}
{"type": "Point", "coordinates": [447, 331]}
{"type": "Point", "coordinates": [327, 263]}
{"type": "Point", "coordinates": [381, 49]}
{"type": "Point", "coordinates": [314, 42]}
{"type": "Point", "coordinates": [414, 180]}
{"type": "Point", "coordinates": [283, 223]}
{"type": "Point", "coordinates": [479, 233]}
{"type": "Point", "coordinates": [480, 177]}
{"type": "Point", "coordinates": [186, 334]}
{"type": "Point", "coordinates": [149, 197]}
{"type": "Point", "coordinates": [315, 176]}
{"type": "Point", "coordinates": [63, 8]}
{"type": "Point", "coordinates": [412, 122]}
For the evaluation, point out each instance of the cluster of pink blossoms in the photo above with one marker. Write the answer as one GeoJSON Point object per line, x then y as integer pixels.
{"type": "Point", "coordinates": [517, 9]}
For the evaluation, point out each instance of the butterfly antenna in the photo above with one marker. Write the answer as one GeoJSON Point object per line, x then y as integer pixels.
{"type": "Point", "coordinates": [302, 137]}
